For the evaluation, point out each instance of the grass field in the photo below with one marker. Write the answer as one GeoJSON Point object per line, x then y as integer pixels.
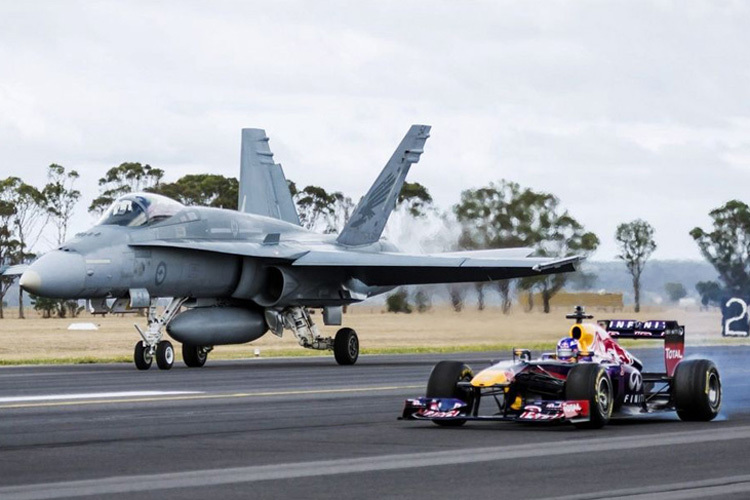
{"type": "Point", "coordinates": [37, 340]}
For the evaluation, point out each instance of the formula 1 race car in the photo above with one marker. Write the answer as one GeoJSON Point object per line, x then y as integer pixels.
{"type": "Point", "coordinates": [588, 380]}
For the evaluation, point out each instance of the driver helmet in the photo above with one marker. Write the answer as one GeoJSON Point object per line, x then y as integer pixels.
{"type": "Point", "coordinates": [567, 349]}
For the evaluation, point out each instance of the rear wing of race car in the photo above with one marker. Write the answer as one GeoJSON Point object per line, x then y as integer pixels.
{"type": "Point", "coordinates": [671, 332]}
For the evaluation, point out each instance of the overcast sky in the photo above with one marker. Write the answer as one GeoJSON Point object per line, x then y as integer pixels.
{"type": "Point", "coordinates": [623, 110]}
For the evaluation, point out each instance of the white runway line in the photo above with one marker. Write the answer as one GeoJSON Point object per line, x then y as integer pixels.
{"type": "Point", "coordinates": [708, 488]}
{"type": "Point", "coordinates": [93, 395]}
{"type": "Point", "coordinates": [295, 470]}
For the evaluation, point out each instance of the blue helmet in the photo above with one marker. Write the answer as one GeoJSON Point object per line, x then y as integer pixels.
{"type": "Point", "coordinates": [567, 349]}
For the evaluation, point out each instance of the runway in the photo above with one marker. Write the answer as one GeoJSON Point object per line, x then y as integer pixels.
{"type": "Point", "coordinates": [307, 428]}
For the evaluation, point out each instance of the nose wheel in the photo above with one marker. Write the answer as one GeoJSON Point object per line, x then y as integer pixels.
{"type": "Point", "coordinates": [142, 356]}
{"type": "Point", "coordinates": [153, 347]}
{"type": "Point", "coordinates": [164, 355]}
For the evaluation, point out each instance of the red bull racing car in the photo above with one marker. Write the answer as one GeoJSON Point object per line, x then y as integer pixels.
{"type": "Point", "coordinates": [588, 380]}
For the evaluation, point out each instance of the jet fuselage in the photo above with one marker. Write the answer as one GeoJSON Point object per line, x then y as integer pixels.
{"type": "Point", "coordinates": [110, 261]}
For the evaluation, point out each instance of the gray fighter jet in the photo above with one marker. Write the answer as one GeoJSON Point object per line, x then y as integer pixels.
{"type": "Point", "coordinates": [231, 276]}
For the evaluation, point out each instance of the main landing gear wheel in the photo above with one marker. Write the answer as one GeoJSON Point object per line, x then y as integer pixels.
{"type": "Point", "coordinates": [164, 355]}
{"type": "Point", "coordinates": [142, 356]}
{"type": "Point", "coordinates": [346, 346]}
{"type": "Point", "coordinates": [194, 356]}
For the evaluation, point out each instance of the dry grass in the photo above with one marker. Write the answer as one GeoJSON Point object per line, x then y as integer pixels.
{"type": "Point", "coordinates": [48, 340]}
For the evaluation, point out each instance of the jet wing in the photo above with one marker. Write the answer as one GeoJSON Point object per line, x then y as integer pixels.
{"type": "Point", "coordinates": [13, 270]}
{"type": "Point", "coordinates": [495, 253]}
{"type": "Point", "coordinates": [391, 269]}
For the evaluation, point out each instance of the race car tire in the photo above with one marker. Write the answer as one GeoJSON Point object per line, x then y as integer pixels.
{"type": "Point", "coordinates": [697, 390]}
{"type": "Point", "coordinates": [443, 383]}
{"type": "Point", "coordinates": [591, 382]}
{"type": "Point", "coordinates": [194, 356]}
{"type": "Point", "coordinates": [346, 346]}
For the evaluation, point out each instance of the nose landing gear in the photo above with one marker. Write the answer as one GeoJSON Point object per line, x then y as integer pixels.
{"type": "Point", "coordinates": [153, 346]}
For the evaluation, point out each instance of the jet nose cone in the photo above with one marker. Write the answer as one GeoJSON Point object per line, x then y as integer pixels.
{"type": "Point", "coordinates": [56, 274]}
{"type": "Point", "coordinates": [30, 281]}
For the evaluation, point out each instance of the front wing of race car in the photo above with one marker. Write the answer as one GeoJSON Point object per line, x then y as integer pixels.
{"type": "Point", "coordinates": [455, 409]}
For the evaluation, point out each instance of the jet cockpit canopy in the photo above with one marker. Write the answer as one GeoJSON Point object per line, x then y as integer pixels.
{"type": "Point", "coordinates": [139, 209]}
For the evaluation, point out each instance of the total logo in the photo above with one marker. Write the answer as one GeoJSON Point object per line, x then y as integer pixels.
{"type": "Point", "coordinates": [574, 409]}
{"type": "Point", "coordinates": [673, 353]}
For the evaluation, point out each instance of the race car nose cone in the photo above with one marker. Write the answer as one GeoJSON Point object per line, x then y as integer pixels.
{"type": "Point", "coordinates": [56, 274]}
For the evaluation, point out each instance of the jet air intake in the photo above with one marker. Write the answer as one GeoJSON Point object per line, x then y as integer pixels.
{"type": "Point", "coordinates": [208, 326]}
{"type": "Point", "coordinates": [277, 284]}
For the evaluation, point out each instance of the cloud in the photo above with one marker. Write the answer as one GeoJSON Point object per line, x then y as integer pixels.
{"type": "Point", "coordinates": [623, 109]}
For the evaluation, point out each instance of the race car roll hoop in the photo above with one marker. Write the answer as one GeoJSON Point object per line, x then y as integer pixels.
{"type": "Point", "coordinates": [590, 379]}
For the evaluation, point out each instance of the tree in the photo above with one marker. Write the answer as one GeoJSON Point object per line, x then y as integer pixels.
{"type": "Point", "coordinates": [415, 198]}
{"type": "Point", "coordinates": [727, 247]}
{"type": "Point", "coordinates": [48, 307]}
{"type": "Point", "coordinates": [29, 220]}
{"type": "Point", "coordinates": [10, 248]}
{"type": "Point", "coordinates": [61, 198]}
{"type": "Point", "coordinates": [125, 178]}
{"type": "Point", "coordinates": [398, 302]}
{"type": "Point", "coordinates": [505, 215]}
{"type": "Point", "coordinates": [480, 295]}
{"type": "Point", "coordinates": [457, 293]}
{"type": "Point", "coordinates": [490, 218]}
{"type": "Point", "coordinates": [710, 292]}
{"type": "Point", "coordinates": [30, 215]}
{"type": "Point", "coordinates": [320, 210]}
{"type": "Point", "coordinates": [24, 220]}
{"type": "Point", "coordinates": [504, 287]}
{"type": "Point", "coordinates": [635, 240]}
{"type": "Point", "coordinates": [557, 234]}
{"type": "Point", "coordinates": [582, 280]}
{"type": "Point", "coordinates": [675, 291]}
{"type": "Point", "coordinates": [208, 190]}
{"type": "Point", "coordinates": [422, 301]}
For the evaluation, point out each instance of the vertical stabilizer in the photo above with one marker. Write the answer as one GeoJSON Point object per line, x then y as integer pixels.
{"type": "Point", "coordinates": [263, 187]}
{"type": "Point", "coordinates": [369, 218]}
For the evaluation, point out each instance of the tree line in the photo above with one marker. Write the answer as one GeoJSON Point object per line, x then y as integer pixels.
{"type": "Point", "coordinates": [500, 215]}
{"type": "Point", "coordinates": [25, 212]}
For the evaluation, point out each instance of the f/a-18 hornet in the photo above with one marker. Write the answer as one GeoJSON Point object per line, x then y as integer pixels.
{"type": "Point", "coordinates": [233, 275]}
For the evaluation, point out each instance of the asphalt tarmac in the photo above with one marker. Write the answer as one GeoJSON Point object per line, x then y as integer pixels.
{"type": "Point", "coordinates": [307, 428]}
